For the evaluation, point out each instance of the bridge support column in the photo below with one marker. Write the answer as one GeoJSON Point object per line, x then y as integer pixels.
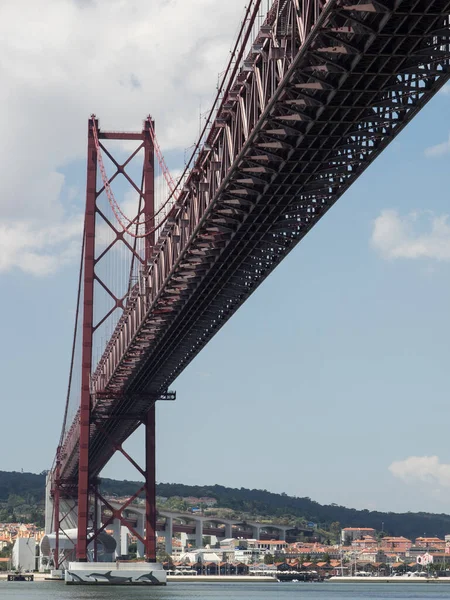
{"type": "Point", "coordinates": [124, 540]}
{"type": "Point", "coordinates": [256, 531]}
{"type": "Point", "coordinates": [228, 530]}
{"type": "Point", "coordinates": [150, 487]}
{"type": "Point", "coordinates": [116, 536]}
{"type": "Point", "coordinates": [169, 534]}
{"type": "Point", "coordinates": [184, 541]}
{"type": "Point", "coordinates": [199, 534]}
{"type": "Point", "coordinates": [140, 549]}
{"type": "Point", "coordinates": [282, 535]}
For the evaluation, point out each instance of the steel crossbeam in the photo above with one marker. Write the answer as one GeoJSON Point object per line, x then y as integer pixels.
{"type": "Point", "coordinates": [326, 86]}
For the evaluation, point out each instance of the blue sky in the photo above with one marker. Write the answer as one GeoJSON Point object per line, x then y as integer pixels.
{"type": "Point", "coordinates": [331, 381]}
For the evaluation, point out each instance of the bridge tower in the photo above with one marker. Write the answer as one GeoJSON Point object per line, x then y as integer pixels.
{"type": "Point", "coordinates": [126, 244]}
{"type": "Point", "coordinates": [86, 483]}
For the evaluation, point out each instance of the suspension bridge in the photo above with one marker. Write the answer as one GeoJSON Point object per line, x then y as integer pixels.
{"type": "Point", "coordinates": [313, 92]}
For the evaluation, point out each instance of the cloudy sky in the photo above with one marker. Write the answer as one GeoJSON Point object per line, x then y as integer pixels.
{"type": "Point", "coordinates": [332, 381]}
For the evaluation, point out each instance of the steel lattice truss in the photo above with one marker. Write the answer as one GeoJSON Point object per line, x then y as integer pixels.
{"type": "Point", "coordinates": [325, 88]}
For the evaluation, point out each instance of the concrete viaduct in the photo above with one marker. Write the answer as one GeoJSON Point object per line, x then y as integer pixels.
{"type": "Point", "coordinates": [195, 526]}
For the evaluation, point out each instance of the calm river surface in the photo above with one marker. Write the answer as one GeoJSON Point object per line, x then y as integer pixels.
{"type": "Point", "coordinates": [227, 591]}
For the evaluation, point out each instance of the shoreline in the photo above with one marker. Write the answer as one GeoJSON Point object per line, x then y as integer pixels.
{"type": "Point", "coordinates": [44, 577]}
{"type": "Point", "coordinates": [39, 577]}
{"type": "Point", "coordinates": [222, 578]}
{"type": "Point", "coordinates": [388, 579]}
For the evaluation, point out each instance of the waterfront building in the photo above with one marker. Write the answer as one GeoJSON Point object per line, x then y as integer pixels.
{"type": "Point", "coordinates": [366, 542]}
{"type": "Point", "coordinates": [232, 543]}
{"type": "Point", "coordinates": [200, 555]}
{"type": "Point", "coordinates": [372, 555]}
{"type": "Point", "coordinates": [348, 534]}
{"type": "Point", "coordinates": [271, 546]}
{"type": "Point", "coordinates": [250, 556]}
{"type": "Point", "coordinates": [24, 554]}
{"type": "Point", "coordinates": [433, 543]}
{"type": "Point", "coordinates": [315, 551]}
{"type": "Point", "coordinates": [398, 544]}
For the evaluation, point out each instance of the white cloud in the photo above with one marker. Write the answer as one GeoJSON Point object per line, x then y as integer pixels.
{"type": "Point", "coordinates": [39, 251]}
{"type": "Point", "coordinates": [63, 60]}
{"type": "Point", "coordinates": [438, 149]}
{"type": "Point", "coordinates": [417, 235]}
{"type": "Point", "coordinates": [426, 469]}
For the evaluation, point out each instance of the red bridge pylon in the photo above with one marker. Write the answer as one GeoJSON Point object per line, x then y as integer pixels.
{"type": "Point", "coordinates": [145, 213]}
{"type": "Point", "coordinates": [115, 249]}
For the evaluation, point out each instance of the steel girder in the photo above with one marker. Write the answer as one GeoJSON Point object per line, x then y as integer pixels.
{"type": "Point", "coordinates": [326, 87]}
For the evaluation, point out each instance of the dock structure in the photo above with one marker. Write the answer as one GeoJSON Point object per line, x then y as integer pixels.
{"type": "Point", "coordinates": [20, 577]}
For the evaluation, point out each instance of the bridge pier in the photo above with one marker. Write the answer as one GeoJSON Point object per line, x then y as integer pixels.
{"type": "Point", "coordinates": [199, 533]}
{"type": "Point", "coordinates": [116, 536]}
{"type": "Point", "coordinates": [140, 548]}
{"type": "Point", "coordinates": [169, 535]}
{"type": "Point", "coordinates": [124, 540]}
{"type": "Point", "coordinates": [228, 530]}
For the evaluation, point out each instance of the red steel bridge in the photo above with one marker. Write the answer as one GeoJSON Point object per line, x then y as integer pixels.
{"type": "Point", "coordinates": [313, 92]}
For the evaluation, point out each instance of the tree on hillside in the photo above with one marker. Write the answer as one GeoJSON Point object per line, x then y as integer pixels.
{"type": "Point", "coordinates": [335, 528]}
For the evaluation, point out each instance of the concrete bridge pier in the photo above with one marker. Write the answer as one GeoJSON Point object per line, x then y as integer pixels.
{"type": "Point", "coordinates": [124, 540]}
{"type": "Point", "coordinates": [140, 550]}
{"type": "Point", "coordinates": [116, 536]}
{"type": "Point", "coordinates": [256, 531]}
{"type": "Point", "coordinates": [169, 534]}
{"type": "Point", "coordinates": [199, 533]}
{"type": "Point", "coordinates": [228, 530]}
{"type": "Point", "coordinates": [184, 541]}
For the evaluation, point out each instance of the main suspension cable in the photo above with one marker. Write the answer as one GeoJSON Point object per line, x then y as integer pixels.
{"type": "Point", "coordinates": [72, 358]}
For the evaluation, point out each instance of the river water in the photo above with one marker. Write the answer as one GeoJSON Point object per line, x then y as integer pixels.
{"type": "Point", "coordinates": [226, 591]}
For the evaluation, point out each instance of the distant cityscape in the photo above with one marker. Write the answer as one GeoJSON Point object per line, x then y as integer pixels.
{"type": "Point", "coordinates": [358, 551]}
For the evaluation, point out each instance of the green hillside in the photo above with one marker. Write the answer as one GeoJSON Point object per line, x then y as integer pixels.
{"type": "Point", "coordinates": [22, 496]}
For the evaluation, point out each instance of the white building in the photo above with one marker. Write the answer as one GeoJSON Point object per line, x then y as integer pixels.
{"type": "Point", "coordinates": [24, 554]}
{"type": "Point", "coordinates": [201, 555]}
{"type": "Point", "coordinates": [272, 546]}
{"type": "Point", "coordinates": [230, 543]}
{"type": "Point", "coordinates": [250, 555]}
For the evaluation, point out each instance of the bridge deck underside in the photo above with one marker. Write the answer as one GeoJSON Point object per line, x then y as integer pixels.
{"type": "Point", "coordinates": [346, 91]}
